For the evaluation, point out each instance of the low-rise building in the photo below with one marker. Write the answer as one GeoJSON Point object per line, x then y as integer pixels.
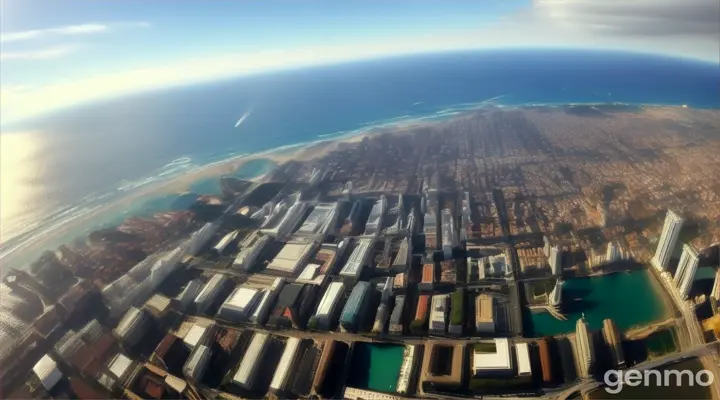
{"type": "Point", "coordinates": [485, 313]}
{"type": "Point", "coordinates": [396, 325]}
{"type": "Point", "coordinates": [247, 370]}
{"type": "Point", "coordinates": [524, 368]}
{"type": "Point", "coordinates": [428, 277]}
{"type": "Point", "coordinates": [442, 367]}
{"type": "Point", "coordinates": [210, 292]}
{"type": "Point", "coordinates": [197, 364]}
{"type": "Point", "coordinates": [328, 306]}
{"type": "Point", "coordinates": [491, 359]}
{"type": "Point", "coordinates": [47, 372]}
{"type": "Point", "coordinates": [239, 306]}
{"type": "Point", "coordinates": [250, 249]}
{"type": "Point", "coordinates": [358, 259]}
{"type": "Point", "coordinates": [438, 314]}
{"type": "Point", "coordinates": [355, 307]}
{"type": "Point", "coordinates": [133, 326]}
{"type": "Point", "coordinates": [286, 365]}
{"type": "Point", "coordinates": [293, 257]}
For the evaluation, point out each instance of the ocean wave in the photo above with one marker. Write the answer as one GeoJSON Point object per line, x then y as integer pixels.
{"type": "Point", "coordinates": [178, 161]}
{"type": "Point", "coordinates": [33, 232]}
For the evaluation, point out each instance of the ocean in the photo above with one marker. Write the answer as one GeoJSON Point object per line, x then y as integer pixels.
{"type": "Point", "coordinates": [59, 166]}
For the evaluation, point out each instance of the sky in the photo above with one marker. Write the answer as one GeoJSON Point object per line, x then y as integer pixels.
{"type": "Point", "coordinates": [60, 53]}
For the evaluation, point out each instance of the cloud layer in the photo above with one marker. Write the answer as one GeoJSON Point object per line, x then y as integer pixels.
{"type": "Point", "coordinates": [648, 18]}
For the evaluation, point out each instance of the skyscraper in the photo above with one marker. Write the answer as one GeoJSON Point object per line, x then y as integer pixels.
{"type": "Point", "coordinates": [449, 239]}
{"type": "Point", "coordinates": [715, 293]}
{"type": "Point", "coordinates": [668, 238]}
{"type": "Point", "coordinates": [613, 339]}
{"type": "Point", "coordinates": [686, 270]}
{"type": "Point", "coordinates": [555, 298]}
{"type": "Point", "coordinates": [546, 246]}
{"type": "Point", "coordinates": [555, 261]}
{"type": "Point", "coordinates": [585, 350]}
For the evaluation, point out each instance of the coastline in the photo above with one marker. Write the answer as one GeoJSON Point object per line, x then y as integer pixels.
{"type": "Point", "coordinates": [304, 151]}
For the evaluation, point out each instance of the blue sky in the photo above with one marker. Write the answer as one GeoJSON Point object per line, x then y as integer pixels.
{"type": "Point", "coordinates": [58, 53]}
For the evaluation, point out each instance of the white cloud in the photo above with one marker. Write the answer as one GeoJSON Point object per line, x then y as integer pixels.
{"type": "Point", "coordinates": [68, 30]}
{"type": "Point", "coordinates": [39, 54]}
{"type": "Point", "coordinates": [61, 31]}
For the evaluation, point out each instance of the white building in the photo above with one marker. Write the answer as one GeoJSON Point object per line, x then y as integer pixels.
{"type": "Point", "coordinates": [449, 237]}
{"type": "Point", "coordinates": [354, 265]}
{"type": "Point", "coordinates": [687, 267]}
{"type": "Point", "coordinates": [197, 335]}
{"type": "Point", "coordinates": [375, 219]}
{"type": "Point", "coordinates": [209, 292]}
{"type": "Point", "coordinates": [320, 221]}
{"type": "Point", "coordinates": [239, 305]}
{"type": "Point", "coordinates": [245, 375]}
{"type": "Point", "coordinates": [196, 365]}
{"type": "Point", "coordinates": [555, 298]}
{"type": "Point", "coordinates": [290, 220]}
{"type": "Point", "coordinates": [47, 372]}
{"type": "Point", "coordinates": [523, 359]}
{"type": "Point", "coordinates": [438, 313]}
{"type": "Point", "coordinates": [715, 293]}
{"type": "Point", "coordinates": [585, 349]}
{"type": "Point", "coordinates": [328, 306]}
{"type": "Point", "coordinates": [120, 366]}
{"type": "Point", "coordinates": [225, 242]}
{"type": "Point", "coordinates": [493, 363]}
{"type": "Point", "coordinates": [555, 260]}
{"type": "Point", "coordinates": [293, 256]}
{"type": "Point", "coordinates": [671, 230]}
{"type": "Point", "coordinates": [287, 360]}
{"type": "Point", "coordinates": [250, 248]}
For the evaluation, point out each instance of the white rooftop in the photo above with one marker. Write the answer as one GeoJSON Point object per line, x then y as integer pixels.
{"type": "Point", "coordinates": [290, 256]}
{"type": "Point", "coordinates": [241, 297]}
{"type": "Point", "coordinates": [499, 360]}
{"type": "Point", "coordinates": [357, 258]}
{"type": "Point", "coordinates": [119, 365]}
{"type": "Point", "coordinates": [309, 272]}
{"type": "Point", "coordinates": [192, 338]}
{"type": "Point", "coordinates": [47, 371]}
{"type": "Point", "coordinates": [523, 358]}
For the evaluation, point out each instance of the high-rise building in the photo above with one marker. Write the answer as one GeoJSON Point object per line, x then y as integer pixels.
{"type": "Point", "coordinates": [668, 238]}
{"type": "Point", "coordinates": [546, 246]}
{"type": "Point", "coordinates": [613, 253]}
{"type": "Point", "coordinates": [715, 293]}
{"type": "Point", "coordinates": [613, 340]}
{"type": "Point", "coordinates": [585, 350]}
{"type": "Point", "coordinates": [555, 298]}
{"type": "Point", "coordinates": [449, 238]}
{"type": "Point", "coordinates": [686, 270]}
{"type": "Point", "coordinates": [555, 260]}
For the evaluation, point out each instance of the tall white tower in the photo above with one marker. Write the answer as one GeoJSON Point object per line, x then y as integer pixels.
{"type": "Point", "coordinates": [715, 293]}
{"type": "Point", "coordinates": [668, 238]}
{"type": "Point", "coordinates": [686, 270]}
{"type": "Point", "coordinates": [555, 261]}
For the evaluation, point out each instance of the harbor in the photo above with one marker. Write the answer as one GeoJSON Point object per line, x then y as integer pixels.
{"type": "Point", "coordinates": [630, 299]}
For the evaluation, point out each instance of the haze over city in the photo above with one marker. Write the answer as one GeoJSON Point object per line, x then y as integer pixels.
{"type": "Point", "coordinates": [359, 200]}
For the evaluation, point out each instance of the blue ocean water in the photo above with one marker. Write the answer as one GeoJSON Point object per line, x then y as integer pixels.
{"type": "Point", "coordinates": [110, 148]}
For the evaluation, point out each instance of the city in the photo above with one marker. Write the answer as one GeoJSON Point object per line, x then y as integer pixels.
{"type": "Point", "coordinates": [501, 253]}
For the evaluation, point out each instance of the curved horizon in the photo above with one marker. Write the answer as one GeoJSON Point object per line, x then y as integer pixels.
{"type": "Point", "coordinates": [110, 96]}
